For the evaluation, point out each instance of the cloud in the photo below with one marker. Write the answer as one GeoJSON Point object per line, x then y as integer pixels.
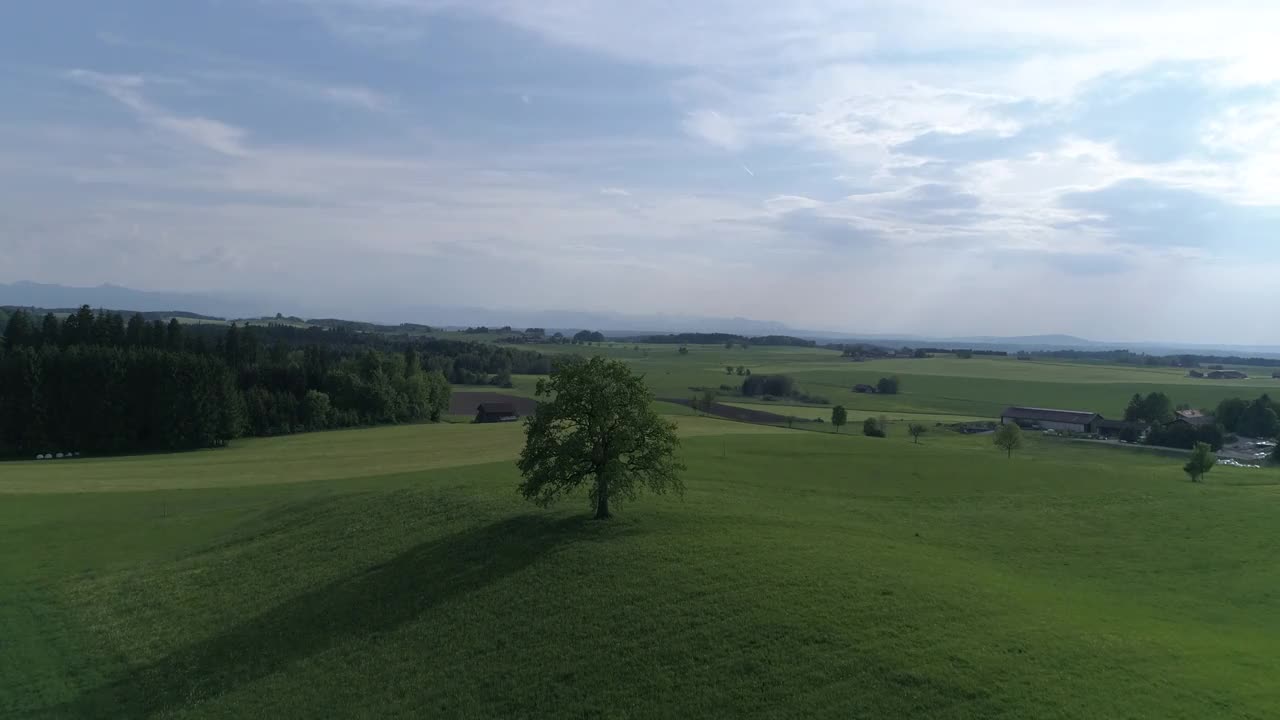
{"type": "Point", "coordinates": [703, 150]}
{"type": "Point", "coordinates": [357, 97]}
{"type": "Point", "coordinates": [128, 90]}
{"type": "Point", "coordinates": [834, 232]}
{"type": "Point", "coordinates": [714, 128]}
{"type": "Point", "coordinates": [1145, 213]}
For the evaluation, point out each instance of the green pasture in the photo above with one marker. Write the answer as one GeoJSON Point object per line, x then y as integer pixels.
{"type": "Point", "coordinates": [823, 412]}
{"type": "Point", "coordinates": [977, 387]}
{"type": "Point", "coordinates": [394, 572]}
{"type": "Point", "coordinates": [302, 458]}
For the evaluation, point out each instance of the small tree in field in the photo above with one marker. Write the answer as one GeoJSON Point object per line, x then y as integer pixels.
{"type": "Point", "coordinates": [839, 416]}
{"type": "Point", "coordinates": [707, 401]}
{"type": "Point", "coordinates": [728, 369]}
{"type": "Point", "coordinates": [1008, 438]}
{"type": "Point", "coordinates": [915, 430]}
{"type": "Point", "coordinates": [597, 427]}
{"type": "Point", "coordinates": [1202, 461]}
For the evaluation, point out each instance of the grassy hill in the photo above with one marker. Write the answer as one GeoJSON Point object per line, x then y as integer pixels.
{"type": "Point", "coordinates": [395, 572]}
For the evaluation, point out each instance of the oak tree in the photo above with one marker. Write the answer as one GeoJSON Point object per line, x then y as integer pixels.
{"type": "Point", "coordinates": [598, 428]}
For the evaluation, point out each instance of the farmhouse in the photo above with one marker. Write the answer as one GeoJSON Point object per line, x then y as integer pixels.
{"type": "Point", "coordinates": [865, 389]}
{"type": "Point", "coordinates": [1047, 419]}
{"type": "Point", "coordinates": [1194, 418]}
{"type": "Point", "coordinates": [496, 412]}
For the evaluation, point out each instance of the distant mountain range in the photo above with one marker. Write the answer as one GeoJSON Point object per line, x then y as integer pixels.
{"type": "Point", "coordinates": [232, 306]}
{"type": "Point", "coordinates": [114, 297]}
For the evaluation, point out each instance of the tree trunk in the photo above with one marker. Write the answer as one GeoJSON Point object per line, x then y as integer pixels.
{"type": "Point", "coordinates": [602, 499]}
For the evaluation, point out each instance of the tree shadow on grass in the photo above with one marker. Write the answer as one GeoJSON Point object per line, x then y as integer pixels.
{"type": "Point", "coordinates": [378, 599]}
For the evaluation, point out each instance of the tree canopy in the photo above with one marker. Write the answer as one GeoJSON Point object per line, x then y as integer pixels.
{"type": "Point", "coordinates": [839, 416]}
{"type": "Point", "coordinates": [707, 402]}
{"type": "Point", "coordinates": [1008, 438]}
{"type": "Point", "coordinates": [1201, 462]}
{"type": "Point", "coordinates": [776, 385]}
{"type": "Point", "coordinates": [872, 427]}
{"type": "Point", "coordinates": [598, 428]}
{"type": "Point", "coordinates": [94, 383]}
{"type": "Point", "coordinates": [1156, 407]}
{"type": "Point", "coordinates": [915, 430]}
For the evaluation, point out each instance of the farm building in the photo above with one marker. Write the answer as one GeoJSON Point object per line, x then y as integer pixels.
{"type": "Point", "coordinates": [1194, 418]}
{"type": "Point", "coordinates": [1227, 375]}
{"type": "Point", "coordinates": [496, 412]}
{"type": "Point", "coordinates": [1047, 419]}
{"type": "Point", "coordinates": [865, 389]}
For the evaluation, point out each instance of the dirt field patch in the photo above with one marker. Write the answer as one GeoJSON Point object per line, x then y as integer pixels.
{"type": "Point", "coordinates": [741, 414]}
{"type": "Point", "coordinates": [464, 403]}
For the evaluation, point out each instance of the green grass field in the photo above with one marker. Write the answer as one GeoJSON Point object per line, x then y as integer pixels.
{"type": "Point", "coordinates": [823, 412]}
{"type": "Point", "coordinates": [395, 573]}
{"type": "Point", "coordinates": [978, 387]}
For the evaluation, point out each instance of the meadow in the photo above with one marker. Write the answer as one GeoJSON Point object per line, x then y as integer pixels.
{"type": "Point", "coordinates": [394, 572]}
{"type": "Point", "coordinates": [943, 385]}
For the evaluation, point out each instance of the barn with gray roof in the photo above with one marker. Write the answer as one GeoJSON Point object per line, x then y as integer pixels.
{"type": "Point", "coordinates": [1079, 421]}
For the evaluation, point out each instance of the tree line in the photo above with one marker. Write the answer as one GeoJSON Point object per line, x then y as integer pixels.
{"type": "Point", "coordinates": [777, 386]}
{"type": "Point", "coordinates": [93, 382]}
{"type": "Point", "coordinates": [729, 339]}
{"type": "Point", "coordinates": [1258, 418]}
{"type": "Point", "coordinates": [1128, 357]}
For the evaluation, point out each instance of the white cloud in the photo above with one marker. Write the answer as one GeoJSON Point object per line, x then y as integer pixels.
{"type": "Point", "coordinates": [128, 90]}
{"type": "Point", "coordinates": [714, 128]}
{"type": "Point", "coordinates": [357, 97]}
{"type": "Point", "coordinates": [769, 138]}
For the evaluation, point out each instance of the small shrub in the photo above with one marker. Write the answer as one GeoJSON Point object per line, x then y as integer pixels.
{"type": "Point", "coordinates": [871, 428]}
{"type": "Point", "coordinates": [812, 399]}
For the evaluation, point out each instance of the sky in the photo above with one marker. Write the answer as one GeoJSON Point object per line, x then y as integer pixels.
{"type": "Point", "coordinates": [1105, 169]}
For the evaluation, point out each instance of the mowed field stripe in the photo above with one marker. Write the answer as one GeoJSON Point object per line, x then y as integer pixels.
{"type": "Point", "coordinates": [303, 458]}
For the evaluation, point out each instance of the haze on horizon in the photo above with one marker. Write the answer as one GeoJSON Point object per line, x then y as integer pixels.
{"type": "Point", "coordinates": [1107, 170]}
